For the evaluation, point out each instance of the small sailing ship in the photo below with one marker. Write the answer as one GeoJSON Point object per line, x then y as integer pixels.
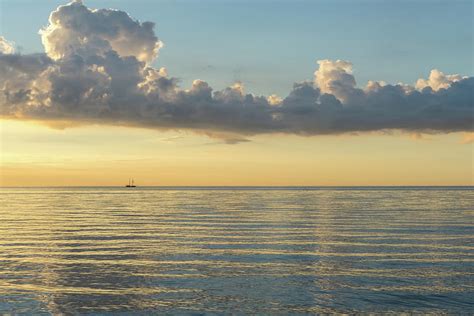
{"type": "Point", "coordinates": [130, 184]}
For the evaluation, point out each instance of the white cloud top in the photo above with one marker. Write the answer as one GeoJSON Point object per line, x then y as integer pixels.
{"type": "Point", "coordinates": [437, 80]}
{"type": "Point", "coordinates": [335, 77]}
{"type": "Point", "coordinates": [75, 29]}
{"type": "Point", "coordinates": [6, 47]}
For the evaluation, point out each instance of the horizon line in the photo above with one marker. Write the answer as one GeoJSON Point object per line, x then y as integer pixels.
{"type": "Point", "coordinates": [241, 186]}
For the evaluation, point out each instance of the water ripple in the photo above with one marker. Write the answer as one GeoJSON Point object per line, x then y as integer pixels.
{"type": "Point", "coordinates": [236, 250]}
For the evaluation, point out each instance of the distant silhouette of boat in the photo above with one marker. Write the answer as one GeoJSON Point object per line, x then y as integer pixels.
{"type": "Point", "coordinates": [130, 184]}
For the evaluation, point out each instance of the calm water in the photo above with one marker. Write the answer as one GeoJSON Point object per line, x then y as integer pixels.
{"type": "Point", "coordinates": [212, 251]}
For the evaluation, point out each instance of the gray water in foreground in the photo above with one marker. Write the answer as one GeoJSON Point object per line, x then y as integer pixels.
{"type": "Point", "coordinates": [154, 250]}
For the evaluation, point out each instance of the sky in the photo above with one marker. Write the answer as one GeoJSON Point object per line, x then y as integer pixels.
{"type": "Point", "coordinates": [207, 96]}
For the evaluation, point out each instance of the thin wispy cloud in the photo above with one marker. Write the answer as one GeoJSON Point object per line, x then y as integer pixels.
{"type": "Point", "coordinates": [171, 139]}
{"type": "Point", "coordinates": [96, 68]}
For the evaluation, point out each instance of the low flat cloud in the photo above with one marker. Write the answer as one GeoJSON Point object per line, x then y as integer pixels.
{"type": "Point", "coordinates": [96, 69]}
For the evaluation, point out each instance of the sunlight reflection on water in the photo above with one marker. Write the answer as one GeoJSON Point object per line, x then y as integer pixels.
{"type": "Point", "coordinates": [98, 250]}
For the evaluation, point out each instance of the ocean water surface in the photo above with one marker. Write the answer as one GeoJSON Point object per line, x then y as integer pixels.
{"type": "Point", "coordinates": [99, 250]}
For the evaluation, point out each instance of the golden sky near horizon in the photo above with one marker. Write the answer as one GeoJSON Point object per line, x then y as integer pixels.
{"type": "Point", "coordinates": [110, 67]}
{"type": "Point", "coordinates": [37, 155]}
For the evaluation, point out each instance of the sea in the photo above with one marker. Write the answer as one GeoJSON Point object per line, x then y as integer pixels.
{"type": "Point", "coordinates": [236, 250]}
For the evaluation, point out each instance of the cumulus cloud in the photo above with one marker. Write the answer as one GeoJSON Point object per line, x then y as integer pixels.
{"type": "Point", "coordinates": [96, 69]}
{"type": "Point", "coordinates": [437, 80]}
{"type": "Point", "coordinates": [75, 29]}
{"type": "Point", "coordinates": [335, 77]}
{"type": "Point", "coordinates": [6, 47]}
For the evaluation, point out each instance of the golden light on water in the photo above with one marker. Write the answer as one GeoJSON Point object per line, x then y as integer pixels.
{"type": "Point", "coordinates": [74, 250]}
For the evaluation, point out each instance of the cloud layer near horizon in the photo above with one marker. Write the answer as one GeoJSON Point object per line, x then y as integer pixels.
{"type": "Point", "coordinates": [96, 69]}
